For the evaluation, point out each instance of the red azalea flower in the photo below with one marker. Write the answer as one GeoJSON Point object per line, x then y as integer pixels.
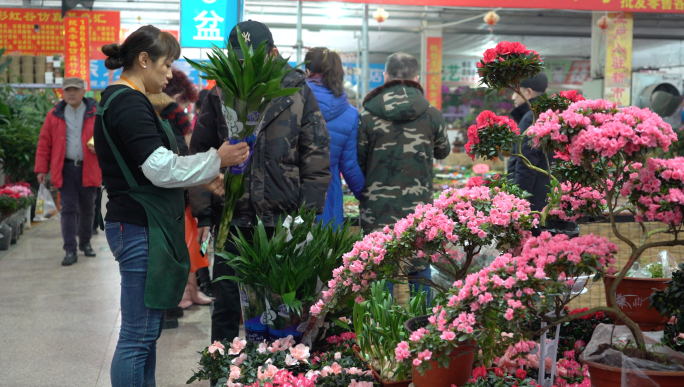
{"type": "Point", "coordinates": [480, 372]}
{"type": "Point", "coordinates": [475, 181]}
{"type": "Point", "coordinates": [489, 55]}
{"type": "Point", "coordinates": [498, 372]}
{"type": "Point", "coordinates": [520, 373]}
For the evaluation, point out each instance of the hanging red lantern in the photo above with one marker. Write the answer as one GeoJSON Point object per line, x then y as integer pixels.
{"type": "Point", "coordinates": [380, 15]}
{"type": "Point", "coordinates": [491, 18]}
{"type": "Point", "coordinates": [604, 23]}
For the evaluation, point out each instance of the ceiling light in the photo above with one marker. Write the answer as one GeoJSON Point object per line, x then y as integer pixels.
{"type": "Point", "coordinates": [334, 10]}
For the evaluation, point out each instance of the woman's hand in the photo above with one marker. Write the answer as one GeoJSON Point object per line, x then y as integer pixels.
{"type": "Point", "coordinates": [216, 186]}
{"type": "Point", "coordinates": [233, 154]}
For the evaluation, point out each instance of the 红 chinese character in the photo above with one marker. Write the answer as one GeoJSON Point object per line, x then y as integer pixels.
{"type": "Point", "coordinates": [208, 33]}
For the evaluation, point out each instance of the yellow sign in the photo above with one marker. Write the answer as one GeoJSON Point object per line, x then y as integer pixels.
{"type": "Point", "coordinates": [618, 75]}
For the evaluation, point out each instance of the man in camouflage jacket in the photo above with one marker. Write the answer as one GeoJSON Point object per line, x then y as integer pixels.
{"type": "Point", "coordinates": [289, 168]}
{"type": "Point", "coordinates": [399, 136]}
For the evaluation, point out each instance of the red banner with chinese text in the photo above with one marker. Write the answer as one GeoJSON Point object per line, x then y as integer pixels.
{"type": "Point", "coordinates": [433, 83]}
{"type": "Point", "coordinates": [41, 31]}
{"type": "Point", "coordinates": [659, 6]}
{"type": "Point", "coordinates": [77, 46]}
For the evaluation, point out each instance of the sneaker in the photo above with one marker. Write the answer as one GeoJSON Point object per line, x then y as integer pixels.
{"type": "Point", "coordinates": [88, 250]}
{"type": "Point", "coordinates": [70, 259]}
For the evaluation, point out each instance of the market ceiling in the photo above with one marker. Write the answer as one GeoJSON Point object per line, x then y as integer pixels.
{"type": "Point", "coordinates": [669, 6]}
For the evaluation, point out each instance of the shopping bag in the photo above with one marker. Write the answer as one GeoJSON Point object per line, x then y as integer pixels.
{"type": "Point", "coordinates": [197, 261]}
{"type": "Point", "coordinates": [45, 205]}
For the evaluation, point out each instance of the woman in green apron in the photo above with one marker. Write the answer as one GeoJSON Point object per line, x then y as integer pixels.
{"type": "Point", "coordinates": [144, 177]}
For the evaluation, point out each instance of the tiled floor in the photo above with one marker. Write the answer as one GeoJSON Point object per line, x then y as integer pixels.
{"type": "Point", "coordinates": [59, 325]}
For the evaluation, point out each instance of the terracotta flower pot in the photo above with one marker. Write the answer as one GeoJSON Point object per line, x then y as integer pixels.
{"type": "Point", "coordinates": [607, 376]}
{"type": "Point", "coordinates": [459, 371]}
{"type": "Point", "coordinates": [632, 297]}
{"type": "Point", "coordinates": [460, 367]}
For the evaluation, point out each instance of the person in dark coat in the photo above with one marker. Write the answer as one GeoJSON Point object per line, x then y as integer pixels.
{"type": "Point", "coordinates": [325, 76]}
{"type": "Point", "coordinates": [535, 183]}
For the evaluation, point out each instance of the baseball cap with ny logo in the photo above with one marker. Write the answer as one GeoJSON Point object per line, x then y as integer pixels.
{"type": "Point", "coordinates": [254, 34]}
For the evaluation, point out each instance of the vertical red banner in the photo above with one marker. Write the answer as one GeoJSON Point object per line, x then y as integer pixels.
{"type": "Point", "coordinates": [77, 49]}
{"type": "Point", "coordinates": [433, 83]}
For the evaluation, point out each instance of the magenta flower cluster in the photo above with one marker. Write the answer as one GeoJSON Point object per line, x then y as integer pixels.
{"type": "Point", "coordinates": [475, 216]}
{"type": "Point", "coordinates": [597, 128]}
{"type": "Point", "coordinates": [578, 201]}
{"type": "Point", "coordinates": [547, 267]}
{"type": "Point", "coordinates": [657, 190]}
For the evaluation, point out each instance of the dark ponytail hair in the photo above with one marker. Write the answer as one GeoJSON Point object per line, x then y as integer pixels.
{"type": "Point", "coordinates": [329, 65]}
{"type": "Point", "coordinates": [150, 39]}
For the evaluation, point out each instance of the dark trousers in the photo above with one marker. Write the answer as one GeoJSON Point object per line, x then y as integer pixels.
{"type": "Point", "coordinates": [78, 208]}
{"type": "Point", "coordinates": [225, 321]}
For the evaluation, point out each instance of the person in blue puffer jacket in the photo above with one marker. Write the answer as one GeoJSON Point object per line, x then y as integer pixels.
{"type": "Point", "coordinates": [325, 76]}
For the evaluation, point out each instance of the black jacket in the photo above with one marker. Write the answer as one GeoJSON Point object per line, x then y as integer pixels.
{"type": "Point", "coordinates": [290, 166]}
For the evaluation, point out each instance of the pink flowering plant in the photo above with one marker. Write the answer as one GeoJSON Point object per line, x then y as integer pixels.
{"type": "Point", "coordinates": [468, 218]}
{"type": "Point", "coordinates": [556, 102]}
{"type": "Point", "coordinates": [578, 201]}
{"type": "Point", "coordinates": [282, 363]}
{"type": "Point", "coordinates": [491, 135]}
{"type": "Point", "coordinates": [536, 282]}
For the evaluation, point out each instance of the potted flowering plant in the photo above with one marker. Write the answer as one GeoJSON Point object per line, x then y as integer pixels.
{"type": "Point", "coordinates": [282, 363]}
{"type": "Point", "coordinates": [597, 141]}
{"type": "Point", "coordinates": [379, 326]}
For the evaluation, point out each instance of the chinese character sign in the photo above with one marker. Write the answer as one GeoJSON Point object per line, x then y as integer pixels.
{"type": "Point", "coordinates": [461, 71]}
{"type": "Point", "coordinates": [618, 75]}
{"type": "Point", "coordinates": [41, 31]}
{"type": "Point", "coordinates": [433, 83]}
{"type": "Point", "coordinates": [207, 22]}
{"type": "Point", "coordinates": [76, 49]}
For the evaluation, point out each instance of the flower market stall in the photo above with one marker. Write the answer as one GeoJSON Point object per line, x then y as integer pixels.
{"type": "Point", "coordinates": [498, 312]}
{"type": "Point", "coordinates": [16, 200]}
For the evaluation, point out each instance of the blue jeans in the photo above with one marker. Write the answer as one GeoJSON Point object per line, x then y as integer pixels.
{"type": "Point", "coordinates": [415, 280]}
{"type": "Point", "coordinates": [136, 352]}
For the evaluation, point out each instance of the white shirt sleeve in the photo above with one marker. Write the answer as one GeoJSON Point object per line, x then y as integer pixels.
{"type": "Point", "coordinates": [168, 170]}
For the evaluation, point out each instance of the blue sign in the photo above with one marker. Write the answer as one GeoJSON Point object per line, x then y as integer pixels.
{"type": "Point", "coordinates": [376, 77]}
{"type": "Point", "coordinates": [207, 22]}
{"type": "Point", "coordinates": [100, 76]}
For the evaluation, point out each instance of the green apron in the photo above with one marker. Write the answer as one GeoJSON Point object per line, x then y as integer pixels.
{"type": "Point", "coordinates": [168, 264]}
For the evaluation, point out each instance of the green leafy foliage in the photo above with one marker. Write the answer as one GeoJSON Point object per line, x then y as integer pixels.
{"type": "Point", "coordinates": [255, 79]}
{"type": "Point", "coordinates": [668, 302]}
{"type": "Point", "coordinates": [555, 102]}
{"type": "Point", "coordinates": [491, 380]}
{"type": "Point", "coordinates": [508, 71]}
{"type": "Point", "coordinates": [21, 119]}
{"type": "Point", "coordinates": [379, 326]}
{"type": "Point", "coordinates": [291, 268]}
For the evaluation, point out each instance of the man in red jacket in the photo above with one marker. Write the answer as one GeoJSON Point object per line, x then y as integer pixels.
{"type": "Point", "coordinates": [63, 151]}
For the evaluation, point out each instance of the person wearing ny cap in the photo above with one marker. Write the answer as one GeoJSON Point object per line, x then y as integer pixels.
{"type": "Point", "coordinates": [290, 168]}
{"type": "Point", "coordinates": [63, 151]}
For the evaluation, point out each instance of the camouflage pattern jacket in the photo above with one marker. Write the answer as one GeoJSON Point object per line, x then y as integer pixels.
{"type": "Point", "coordinates": [290, 166]}
{"type": "Point", "coordinates": [399, 136]}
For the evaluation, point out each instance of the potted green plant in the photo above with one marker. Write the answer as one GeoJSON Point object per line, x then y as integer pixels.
{"type": "Point", "coordinates": [246, 87]}
{"type": "Point", "coordinates": [379, 327]}
{"type": "Point", "coordinates": [289, 269]}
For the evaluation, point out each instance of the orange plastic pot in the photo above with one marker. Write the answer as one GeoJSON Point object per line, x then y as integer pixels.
{"type": "Point", "coordinates": [632, 297]}
{"type": "Point", "coordinates": [398, 383]}
{"type": "Point", "coordinates": [459, 371]}
{"type": "Point", "coordinates": [607, 376]}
